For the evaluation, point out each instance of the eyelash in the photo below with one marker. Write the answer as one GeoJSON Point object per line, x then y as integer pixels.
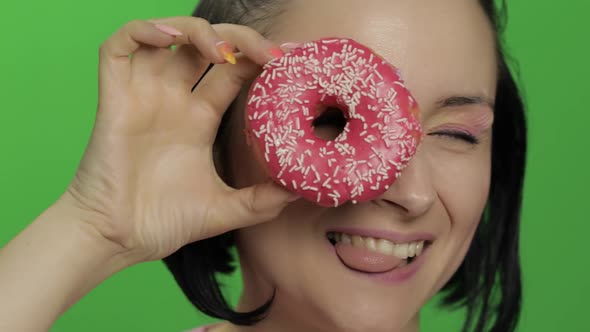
{"type": "Point", "coordinates": [468, 138]}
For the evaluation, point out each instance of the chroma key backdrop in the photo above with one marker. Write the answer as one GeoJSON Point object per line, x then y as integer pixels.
{"type": "Point", "coordinates": [49, 83]}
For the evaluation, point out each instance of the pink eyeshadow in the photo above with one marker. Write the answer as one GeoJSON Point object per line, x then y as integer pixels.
{"type": "Point", "coordinates": [474, 121]}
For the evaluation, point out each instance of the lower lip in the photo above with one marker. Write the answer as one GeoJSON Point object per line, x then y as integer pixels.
{"type": "Point", "coordinates": [395, 275]}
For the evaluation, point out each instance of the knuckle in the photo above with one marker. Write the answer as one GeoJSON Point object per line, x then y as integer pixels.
{"type": "Point", "coordinates": [251, 201]}
{"type": "Point", "coordinates": [123, 31]}
{"type": "Point", "coordinates": [197, 27]}
{"type": "Point", "coordinates": [236, 79]}
{"type": "Point", "coordinates": [102, 49]}
{"type": "Point", "coordinates": [199, 21]}
{"type": "Point", "coordinates": [133, 23]}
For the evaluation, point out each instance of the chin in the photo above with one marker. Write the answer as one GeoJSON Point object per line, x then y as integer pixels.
{"type": "Point", "coordinates": [364, 315]}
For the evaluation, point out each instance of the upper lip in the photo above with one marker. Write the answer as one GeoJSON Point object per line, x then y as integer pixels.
{"type": "Point", "coordinates": [394, 237]}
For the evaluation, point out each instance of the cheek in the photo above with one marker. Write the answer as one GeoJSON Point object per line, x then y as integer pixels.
{"type": "Point", "coordinates": [462, 181]}
{"type": "Point", "coordinates": [272, 253]}
{"type": "Point", "coordinates": [253, 244]}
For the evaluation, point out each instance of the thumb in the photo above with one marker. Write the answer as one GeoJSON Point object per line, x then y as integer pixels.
{"type": "Point", "coordinates": [257, 204]}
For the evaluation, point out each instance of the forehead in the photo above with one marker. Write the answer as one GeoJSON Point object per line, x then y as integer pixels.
{"type": "Point", "coordinates": [442, 47]}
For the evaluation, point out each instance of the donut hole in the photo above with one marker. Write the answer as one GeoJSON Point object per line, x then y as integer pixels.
{"type": "Point", "coordinates": [329, 123]}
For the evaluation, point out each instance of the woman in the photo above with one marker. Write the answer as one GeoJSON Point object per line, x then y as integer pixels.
{"type": "Point", "coordinates": [158, 177]}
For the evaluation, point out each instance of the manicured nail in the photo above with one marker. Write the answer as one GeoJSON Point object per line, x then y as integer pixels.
{"type": "Point", "coordinates": [168, 29]}
{"type": "Point", "coordinates": [224, 48]}
{"type": "Point", "coordinates": [276, 52]}
{"type": "Point", "coordinates": [291, 46]}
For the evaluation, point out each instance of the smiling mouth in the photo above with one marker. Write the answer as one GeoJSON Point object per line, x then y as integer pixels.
{"type": "Point", "coordinates": [407, 252]}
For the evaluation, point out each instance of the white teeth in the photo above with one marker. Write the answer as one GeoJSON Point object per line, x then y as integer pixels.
{"type": "Point", "coordinates": [345, 239]}
{"type": "Point", "coordinates": [419, 248]}
{"type": "Point", "coordinates": [357, 241]}
{"type": "Point", "coordinates": [370, 243]}
{"type": "Point", "coordinates": [412, 249]}
{"type": "Point", "coordinates": [400, 250]}
{"type": "Point", "coordinates": [384, 246]}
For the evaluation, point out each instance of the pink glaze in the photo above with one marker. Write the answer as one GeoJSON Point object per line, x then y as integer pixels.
{"type": "Point", "coordinates": [381, 134]}
{"type": "Point", "coordinates": [365, 260]}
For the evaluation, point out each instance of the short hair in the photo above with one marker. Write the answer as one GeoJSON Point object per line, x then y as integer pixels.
{"type": "Point", "coordinates": [488, 281]}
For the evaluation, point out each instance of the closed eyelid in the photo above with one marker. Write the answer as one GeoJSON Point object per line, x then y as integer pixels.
{"type": "Point", "coordinates": [473, 114]}
{"type": "Point", "coordinates": [458, 128]}
{"type": "Point", "coordinates": [473, 122]}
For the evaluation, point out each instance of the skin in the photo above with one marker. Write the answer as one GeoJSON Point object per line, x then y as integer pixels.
{"type": "Point", "coordinates": [444, 49]}
{"type": "Point", "coordinates": [147, 184]}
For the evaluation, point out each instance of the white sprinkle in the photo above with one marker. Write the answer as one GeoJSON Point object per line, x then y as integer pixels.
{"type": "Point", "coordinates": [317, 175]}
{"type": "Point", "coordinates": [336, 171]}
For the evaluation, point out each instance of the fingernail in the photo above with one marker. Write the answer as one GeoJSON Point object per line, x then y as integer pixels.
{"type": "Point", "coordinates": [276, 52]}
{"type": "Point", "coordinates": [291, 46]}
{"type": "Point", "coordinates": [224, 48]}
{"type": "Point", "coordinates": [168, 29]}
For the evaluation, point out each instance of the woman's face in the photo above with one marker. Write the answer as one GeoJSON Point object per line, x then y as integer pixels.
{"type": "Point", "coordinates": [445, 51]}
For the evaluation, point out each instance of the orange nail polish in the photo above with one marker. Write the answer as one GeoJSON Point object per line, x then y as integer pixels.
{"type": "Point", "coordinates": [276, 52]}
{"type": "Point", "coordinates": [226, 52]}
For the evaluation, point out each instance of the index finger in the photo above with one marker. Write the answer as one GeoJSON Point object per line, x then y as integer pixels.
{"type": "Point", "coordinates": [241, 38]}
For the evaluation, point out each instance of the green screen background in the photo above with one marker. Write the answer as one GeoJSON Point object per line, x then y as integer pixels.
{"type": "Point", "coordinates": [48, 68]}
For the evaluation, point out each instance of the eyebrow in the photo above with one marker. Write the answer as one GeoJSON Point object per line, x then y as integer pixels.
{"type": "Point", "coordinates": [464, 100]}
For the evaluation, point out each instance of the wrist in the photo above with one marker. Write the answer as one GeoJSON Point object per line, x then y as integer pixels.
{"type": "Point", "coordinates": [51, 264]}
{"type": "Point", "coordinates": [68, 211]}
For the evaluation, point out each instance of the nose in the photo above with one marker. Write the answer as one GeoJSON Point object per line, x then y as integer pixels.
{"type": "Point", "coordinates": [413, 191]}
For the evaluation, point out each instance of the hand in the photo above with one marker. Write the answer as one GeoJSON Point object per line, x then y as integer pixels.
{"type": "Point", "coordinates": [147, 180]}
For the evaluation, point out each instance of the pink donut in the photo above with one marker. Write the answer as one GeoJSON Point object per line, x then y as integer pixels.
{"type": "Point", "coordinates": [381, 134]}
